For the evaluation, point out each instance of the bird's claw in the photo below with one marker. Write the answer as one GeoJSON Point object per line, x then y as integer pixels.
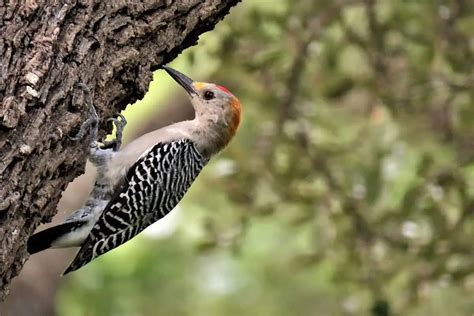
{"type": "Point", "coordinates": [92, 123]}
{"type": "Point", "coordinates": [120, 122]}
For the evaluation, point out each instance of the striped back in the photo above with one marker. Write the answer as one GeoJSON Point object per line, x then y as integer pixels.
{"type": "Point", "coordinates": [154, 185]}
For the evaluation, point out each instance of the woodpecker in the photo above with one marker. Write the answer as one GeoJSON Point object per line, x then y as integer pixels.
{"type": "Point", "coordinates": [141, 183]}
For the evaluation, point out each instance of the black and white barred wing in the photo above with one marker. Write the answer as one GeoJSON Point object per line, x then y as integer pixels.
{"type": "Point", "coordinates": [153, 187]}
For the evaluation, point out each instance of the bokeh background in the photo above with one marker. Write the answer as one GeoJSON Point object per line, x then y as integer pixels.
{"type": "Point", "coordinates": [349, 189]}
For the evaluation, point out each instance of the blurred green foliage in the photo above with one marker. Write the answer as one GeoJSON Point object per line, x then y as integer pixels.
{"type": "Point", "coordinates": [349, 189]}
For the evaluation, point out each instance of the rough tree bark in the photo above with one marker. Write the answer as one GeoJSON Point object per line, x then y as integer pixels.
{"type": "Point", "coordinates": [48, 46]}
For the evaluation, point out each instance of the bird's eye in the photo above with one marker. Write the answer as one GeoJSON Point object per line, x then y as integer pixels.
{"type": "Point", "coordinates": [208, 95]}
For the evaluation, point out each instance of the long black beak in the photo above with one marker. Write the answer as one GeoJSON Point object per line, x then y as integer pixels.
{"type": "Point", "coordinates": [183, 80]}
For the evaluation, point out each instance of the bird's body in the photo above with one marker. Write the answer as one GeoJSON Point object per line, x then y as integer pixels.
{"type": "Point", "coordinates": [143, 182]}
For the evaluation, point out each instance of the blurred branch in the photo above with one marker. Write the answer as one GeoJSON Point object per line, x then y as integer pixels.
{"type": "Point", "coordinates": [316, 26]}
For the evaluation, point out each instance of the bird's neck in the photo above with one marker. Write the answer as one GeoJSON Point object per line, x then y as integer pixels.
{"type": "Point", "coordinates": [211, 134]}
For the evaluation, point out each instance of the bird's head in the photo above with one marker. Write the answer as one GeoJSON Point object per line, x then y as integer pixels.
{"type": "Point", "coordinates": [212, 103]}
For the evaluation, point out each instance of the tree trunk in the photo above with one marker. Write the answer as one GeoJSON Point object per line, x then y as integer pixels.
{"type": "Point", "coordinates": [47, 47]}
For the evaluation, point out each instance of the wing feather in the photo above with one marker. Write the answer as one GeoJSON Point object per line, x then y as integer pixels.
{"type": "Point", "coordinates": [154, 185]}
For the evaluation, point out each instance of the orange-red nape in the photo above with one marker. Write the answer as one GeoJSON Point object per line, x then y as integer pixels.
{"type": "Point", "coordinates": [236, 114]}
{"type": "Point", "coordinates": [236, 110]}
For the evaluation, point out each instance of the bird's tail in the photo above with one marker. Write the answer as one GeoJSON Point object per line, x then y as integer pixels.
{"type": "Point", "coordinates": [45, 238]}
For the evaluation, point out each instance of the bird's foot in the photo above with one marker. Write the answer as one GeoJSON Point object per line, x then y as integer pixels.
{"type": "Point", "coordinates": [120, 122]}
